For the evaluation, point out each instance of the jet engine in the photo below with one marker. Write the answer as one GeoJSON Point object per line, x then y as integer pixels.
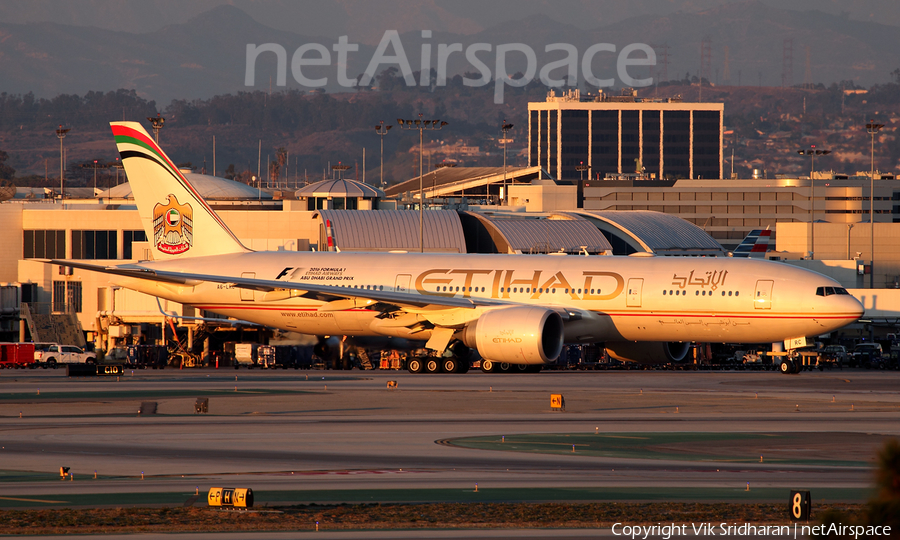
{"type": "Point", "coordinates": [517, 335]}
{"type": "Point", "coordinates": [649, 352]}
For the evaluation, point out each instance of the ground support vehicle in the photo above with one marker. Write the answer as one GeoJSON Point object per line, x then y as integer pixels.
{"type": "Point", "coordinates": [146, 356]}
{"type": "Point", "coordinates": [55, 355]}
{"type": "Point", "coordinates": [16, 355]}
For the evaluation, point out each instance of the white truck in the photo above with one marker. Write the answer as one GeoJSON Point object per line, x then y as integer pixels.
{"type": "Point", "coordinates": [50, 355]}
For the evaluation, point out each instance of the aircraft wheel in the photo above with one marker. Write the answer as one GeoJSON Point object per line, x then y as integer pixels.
{"type": "Point", "coordinates": [462, 366]}
{"type": "Point", "coordinates": [432, 365]}
{"type": "Point", "coordinates": [414, 365]}
{"type": "Point", "coordinates": [450, 365]}
{"type": "Point", "coordinates": [488, 366]}
{"type": "Point", "coordinates": [522, 368]}
{"type": "Point", "coordinates": [504, 367]}
{"type": "Point", "coordinates": [786, 367]}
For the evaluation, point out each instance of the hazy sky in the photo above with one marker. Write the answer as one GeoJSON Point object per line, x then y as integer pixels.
{"type": "Point", "coordinates": [366, 19]}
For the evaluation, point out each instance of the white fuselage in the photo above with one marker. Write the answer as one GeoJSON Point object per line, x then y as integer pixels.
{"type": "Point", "coordinates": [620, 298]}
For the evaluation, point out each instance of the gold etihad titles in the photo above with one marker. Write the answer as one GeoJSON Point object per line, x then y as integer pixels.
{"type": "Point", "coordinates": [449, 283]}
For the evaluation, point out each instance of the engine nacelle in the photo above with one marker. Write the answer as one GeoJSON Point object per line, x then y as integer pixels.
{"type": "Point", "coordinates": [517, 335]}
{"type": "Point", "coordinates": [649, 352]}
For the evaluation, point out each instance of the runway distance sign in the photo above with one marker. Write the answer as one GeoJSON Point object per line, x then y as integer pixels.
{"type": "Point", "coordinates": [800, 506]}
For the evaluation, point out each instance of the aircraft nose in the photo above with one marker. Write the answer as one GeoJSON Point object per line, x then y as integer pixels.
{"type": "Point", "coordinates": [854, 306]}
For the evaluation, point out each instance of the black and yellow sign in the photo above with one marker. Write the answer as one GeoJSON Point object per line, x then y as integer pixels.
{"type": "Point", "coordinates": [800, 506]}
{"type": "Point", "coordinates": [235, 497]}
{"type": "Point", "coordinates": [557, 402]}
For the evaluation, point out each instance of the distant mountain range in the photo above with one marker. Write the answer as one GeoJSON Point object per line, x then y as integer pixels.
{"type": "Point", "coordinates": [365, 20]}
{"type": "Point", "coordinates": [206, 55]}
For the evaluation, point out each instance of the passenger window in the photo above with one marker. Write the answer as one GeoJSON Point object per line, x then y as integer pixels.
{"type": "Point", "coordinates": [737, 293]}
{"type": "Point", "coordinates": [697, 293]}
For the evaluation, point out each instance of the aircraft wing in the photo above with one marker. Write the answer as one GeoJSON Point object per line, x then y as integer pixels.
{"type": "Point", "coordinates": [325, 293]}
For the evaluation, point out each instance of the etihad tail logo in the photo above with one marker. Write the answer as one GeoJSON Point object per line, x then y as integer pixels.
{"type": "Point", "coordinates": [173, 226]}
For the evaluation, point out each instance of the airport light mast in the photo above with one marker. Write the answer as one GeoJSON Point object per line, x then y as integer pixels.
{"type": "Point", "coordinates": [505, 129]}
{"type": "Point", "coordinates": [95, 165]}
{"type": "Point", "coordinates": [421, 125]}
{"type": "Point", "coordinates": [382, 130]}
{"type": "Point", "coordinates": [61, 133]}
{"type": "Point", "coordinates": [812, 152]}
{"type": "Point", "coordinates": [340, 168]}
{"type": "Point", "coordinates": [157, 124]}
{"type": "Point", "coordinates": [581, 167]}
{"type": "Point", "coordinates": [872, 128]}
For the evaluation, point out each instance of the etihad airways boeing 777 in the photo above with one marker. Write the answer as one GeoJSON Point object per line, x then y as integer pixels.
{"type": "Point", "coordinates": [514, 310]}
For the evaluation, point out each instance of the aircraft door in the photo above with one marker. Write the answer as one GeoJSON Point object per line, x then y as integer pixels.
{"type": "Point", "coordinates": [633, 298]}
{"type": "Point", "coordinates": [762, 299]}
{"type": "Point", "coordinates": [402, 283]}
{"type": "Point", "coordinates": [247, 294]}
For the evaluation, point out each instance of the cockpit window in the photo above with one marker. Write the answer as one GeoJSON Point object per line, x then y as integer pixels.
{"type": "Point", "coordinates": [828, 291]}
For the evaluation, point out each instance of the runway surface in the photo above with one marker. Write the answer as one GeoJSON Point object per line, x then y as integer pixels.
{"type": "Point", "coordinates": [297, 436]}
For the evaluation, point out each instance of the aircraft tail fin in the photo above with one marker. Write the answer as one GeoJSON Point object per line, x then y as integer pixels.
{"type": "Point", "coordinates": [754, 245]}
{"type": "Point", "coordinates": [175, 217]}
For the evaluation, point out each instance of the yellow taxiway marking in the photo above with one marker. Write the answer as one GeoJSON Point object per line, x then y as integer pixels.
{"type": "Point", "coordinates": [31, 500]}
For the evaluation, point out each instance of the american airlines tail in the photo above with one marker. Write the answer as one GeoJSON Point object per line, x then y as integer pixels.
{"type": "Point", "coordinates": [755, 245]}
{"type": "Point", "coordinates": [175, 217]}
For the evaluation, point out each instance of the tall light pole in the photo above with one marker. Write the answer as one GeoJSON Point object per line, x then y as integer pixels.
{"type": "Point", "coordinates": [340, 168]}
{"type": "Point", "coordinates": [61, 133]}
{"type": "Point", "coordinates": [872, 128]}
{"type": "Point", "coordinates": [382, 130]}
{"type": "Point", "coordinates": [421, 125]}
{"type": "Point", "coordinates": [812, 153]}
{"type": "Point", "coordinates": [581, 167]}
{"type": "Point", "coordinates": [505, 129]}
{"type": "Point", "coordinates": [157, 124]}
{"type": "Point", "coordinates": [118, 165]}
